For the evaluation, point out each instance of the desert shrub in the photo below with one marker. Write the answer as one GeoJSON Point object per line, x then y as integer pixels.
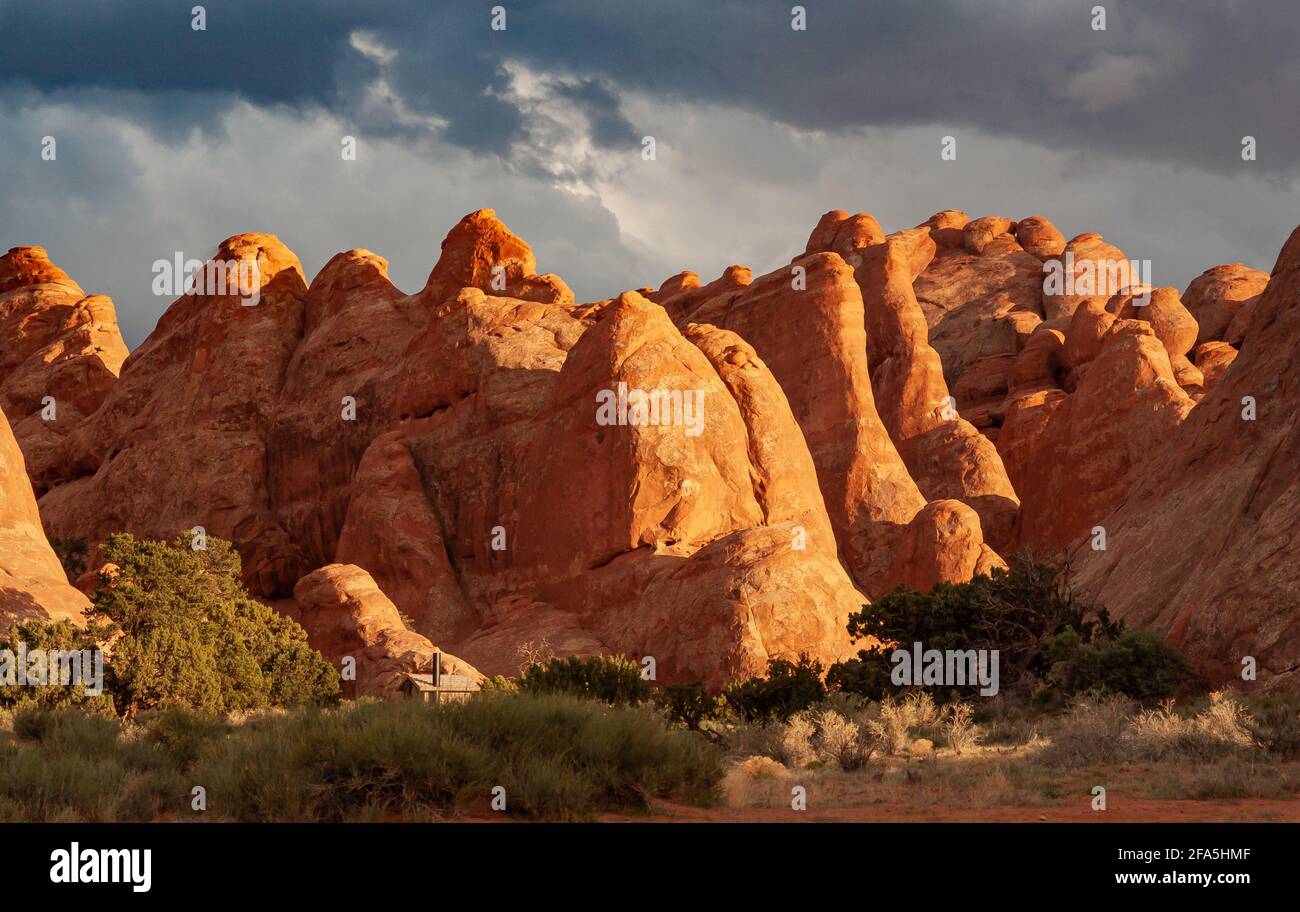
{"type": "Point", "coordinates": [688, 704]}
{"type": "Point", "coordinates": [1232, 777]}
{"type": "Point", "coordinates": [796, 741]}
{"type": "Point", "coordinates": [1137, 663]}
{"type": "Point", "coordinates": [1017, 612]}
{"type": "Point", "coordinates": [1222, 728]}
{"type": "Point", "coordinates": [1091, 732]}
{"type": "Point", "coordinates": [1276, 724]}
{"type": "Point", "coordinates": [556, 756]}
{"type": "Point", "coordinates": [181, 733]}
{"type": "Point", "coordinates": [788, 688]}
{"type": "Point", "coordinates": [766, 739]}
{"type": "Point", "coordinates": [78, 766]}
{"type": "Point", "coordinates": [1112, 729]}
{"type": "Point", "coordinates": [893, 721]}
{"type": "Point", "coordinates": [611, 679]}
{"type": "Point", "coordinates": [839, 741]}
{"type": "Point", "coordinates": [959, 728]}
{"type": "Point", "coordinates": [73, 554]}
{"type": "Point", "coordinates": [45, 635]}
{"type": "Point", "coordinates": [499, 684]}
{"type": "Point", "coordinates": [186, 632]}
{"type": "Point", "coordinates": [760, 767]}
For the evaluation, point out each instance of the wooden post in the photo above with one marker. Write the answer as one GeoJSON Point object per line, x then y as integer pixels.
{"type": "Point", "coordinates": [437, 676]}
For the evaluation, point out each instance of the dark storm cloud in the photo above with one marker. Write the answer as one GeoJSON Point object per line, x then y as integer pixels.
{"type": "Point", "coordinates": [1167, 80]}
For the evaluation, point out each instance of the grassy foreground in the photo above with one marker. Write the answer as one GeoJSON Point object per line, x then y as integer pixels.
{"type": "Point", "coordinates": [556, 757]}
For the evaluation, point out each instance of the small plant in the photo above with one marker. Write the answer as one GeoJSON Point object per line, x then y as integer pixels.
{"type": "Point", "coordinates": [760, 767]}
{"type": "Point", "coordinates": [73, 555]}
{"type": "Point", "coordinates": [839, 741]}
{"type": "Point", "coordinates": [1224, 727]}
{"type": "Point", "coordinates": [1137, 663]}
{"type": "Point", "coordinates": [534, 653]}
{"type": "Point", "coordinates": [688, 704]}
{"type": "Point", "coordinates": [892, 724]}
{"type": "Point", "coordinates": [796, 741]}
{"type": "Point", "coordinates": [611, 679]}
{"type": "Point", "coordinates": [959, 727]}
{"type": "Point", "coordinates": [788, 688]}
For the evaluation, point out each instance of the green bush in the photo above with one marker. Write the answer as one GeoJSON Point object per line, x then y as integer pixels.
{"type": "Point", "coordinates": [688, 704]}
{"type": "Point", "coordinates": [788, 688]}
{"type": "Point", "coordinates": [557, 757]}
{"type": "Point", "coordinates": [188, 633]}
{"type": "Point", "coordinates": [1277, 724]}
{"type": "Point", "coordinates": [73, 554]}
{"type": "Point", "coordinates": [80, 767]}
{"type": "Point", "coordinates": [1017, 611]}
{"type": "Point", "coordinates": [1137, 663]}
{"type": "Point", "coordinates": [60, 635]}
{"type": "Point", "coordinates": [611, 679]}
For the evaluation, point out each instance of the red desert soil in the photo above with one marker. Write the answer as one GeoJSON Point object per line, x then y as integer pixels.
{"type": "Point", "coordinates": [1140, 810]}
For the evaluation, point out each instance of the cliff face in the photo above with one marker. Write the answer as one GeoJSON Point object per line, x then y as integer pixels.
{"type": "Point", "coordinates": [32, 582]}
{"type": "Point", "coordinates": [713, 474]}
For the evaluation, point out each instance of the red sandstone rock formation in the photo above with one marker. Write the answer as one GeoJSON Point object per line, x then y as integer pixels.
{"type": "Point", "coordinates": [33, 585]}
{"type": "Point", "coordinates": [823, 371]}
{"type": "Point", "coordinates": [1204, 548]}
{"type": "Point", "coordinates": [1092, 448]}
{"type": "Point", "coordinates": [944, 453]}
{"type": "Point", "coordinates": [180, 440]}
{"type": "Point", "coordinates": [1218, 295]}
{"type": "Point", "coordinates": [61, 354]}
{"type": "Point", "coordinates": [448, 443]}
{"type": "Point", "coordinates": [346, 616]}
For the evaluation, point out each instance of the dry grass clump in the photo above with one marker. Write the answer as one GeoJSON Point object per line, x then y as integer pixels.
{"type": "Point", "coordinates": [759, 767]}
{"type": "Point", "coordinates": [845, 733]}
{"type": "Point", "coordinates": [1224, 727]}
{"type": "Point", "coordinates": [892, 724]}
{"type": "Point", "coordinates": [1111, 730]}
{"type": "Point", "coordinates": [959, 727]}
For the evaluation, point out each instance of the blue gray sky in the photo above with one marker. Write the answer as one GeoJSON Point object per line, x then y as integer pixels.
{"type": "Point", "coordinates": [171, 139]}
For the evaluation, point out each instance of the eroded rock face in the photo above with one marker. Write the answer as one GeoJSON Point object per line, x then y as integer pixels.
{"type": "Point", "coordinates": [481, 252]}
{"type": "Point", "coordinates": [975, 305]}
{"type": "Point", "coordinates": [1204, 547]}
{"type": "Point", "coordinates": [61, 354]}
{"type": "Point", "coordinates": [469, 466]}
{"type": "Point", "coordinates": [1090, 269]}
{"type": "Point", "coordinates": [944, 453]}
{"type": "Point", "coordinates": [1218, 295]}
{"type": "Point", "coordinates": [180, 440]}
{"type": "Point", "coordinates": [943, 543]}
{"type": "Point", "coordinates": [1213, 359]}
{"type": "Point", "coordinates": [1097, 440]}
{"type": "Point", "coordinates": [981, 232]}
{"type": "Point", "coordinates": [393, 530]}
{"type": "Point", "coordinates": [647, 482]}
{"type": "Point", "coordinates": [347, 616]}
{"type": "Point", "coordinates": [823, 371]}
{"type": "Point", "coordinates": [33, 585]}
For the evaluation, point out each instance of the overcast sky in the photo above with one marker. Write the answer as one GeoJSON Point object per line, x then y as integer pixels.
{"type": "Point", "coordinates": [171, 139]}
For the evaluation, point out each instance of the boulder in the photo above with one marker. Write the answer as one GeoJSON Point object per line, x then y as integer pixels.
{"type": "Point", "coordinates": [1217, 295]}
{"type": "Point", "coordinates": [347, 616]}
{"type": "Point", "coordinates": [1040, 237]}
